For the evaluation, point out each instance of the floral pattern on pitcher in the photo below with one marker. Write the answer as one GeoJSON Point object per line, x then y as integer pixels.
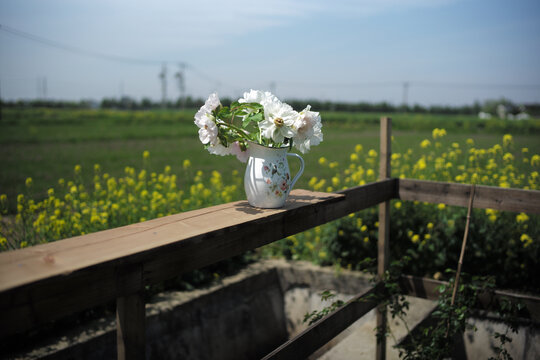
{"type": "Point", "coordinates": [276, 178]}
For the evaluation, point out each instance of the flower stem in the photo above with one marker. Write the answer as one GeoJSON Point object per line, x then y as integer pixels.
{"type": "Point", "coordinates": [240, 131]}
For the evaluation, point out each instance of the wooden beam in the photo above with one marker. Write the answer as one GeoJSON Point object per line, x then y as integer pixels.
{"type": "Point", "coordinates": [383, 243]}
{"type": "Point", "coordinates": [324, 330]}
{"type": "Point", "coordinates": [429, 289]}
{"type": "Point", "coordinates": [45, 282]}
{"type": "Point", "coordinates": [130, 317]}
{"type": "Point", "coordinates": [49, 281]}
{"type": "Point", "coordinates": [486, 197]}
{"type": "Point", "coordinates": [130, 325]}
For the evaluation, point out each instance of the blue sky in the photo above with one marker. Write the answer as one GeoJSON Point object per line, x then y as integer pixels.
{"type": "Point", "coordinates": [451, 52]}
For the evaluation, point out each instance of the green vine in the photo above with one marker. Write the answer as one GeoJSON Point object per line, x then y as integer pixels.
{"type": "Point", "coordinates": [436, 340]}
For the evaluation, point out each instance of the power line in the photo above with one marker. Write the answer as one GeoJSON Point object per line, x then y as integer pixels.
{"type": "Point", "coordinates": [77, 50]}
{"type": "Point", "coordinates": [218, 83]}
{"type": "Point", "coordinates": [95, 54]}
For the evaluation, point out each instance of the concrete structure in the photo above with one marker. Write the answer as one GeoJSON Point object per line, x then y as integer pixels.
{"type": "Point", "coordinates": [247, 315]}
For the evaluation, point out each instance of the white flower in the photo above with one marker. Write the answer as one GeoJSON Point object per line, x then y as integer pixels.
{"type": "Point", "coordinates": [206, 110]}
{"type": "Point", "coordinates": [208, 130]}
{"type": "Point", "coordinates": [280, 121]}
{"type": "Point", "coordinates": [309, 132]}
{"type": "Point", "coordinates": [212, 102]}
{"type": "Point", "coordinates": [235, 149]}
{"type": "Point", "coordinates": [257, 96]}
{"type": "Point", "coordinates": [218, 149]}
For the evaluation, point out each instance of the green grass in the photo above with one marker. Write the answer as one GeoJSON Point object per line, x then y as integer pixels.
{"type": "Point", "coordinates": [46, 144]}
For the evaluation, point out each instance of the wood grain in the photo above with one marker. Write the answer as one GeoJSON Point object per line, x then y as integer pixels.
{"type": "Point", "coordinates": [486, 197]}
{"type": "Point", "coordinates": [49, 281]}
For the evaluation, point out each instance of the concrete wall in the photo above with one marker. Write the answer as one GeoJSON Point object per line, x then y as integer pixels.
{"type": "Point", "coordinates": [247, 315]}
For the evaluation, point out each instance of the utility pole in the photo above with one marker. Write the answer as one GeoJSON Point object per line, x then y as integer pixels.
{"type": "Point", "coordinates": [180, 77]}
{"type": "Point", "coordinates": [41, 88]}
{"type": "Point", "coordinates": [163, 78]}
{"type": "Point", "coordinates": [273, 87]}
{"type": "Point", "coordinates": [44, 88]}
{"type": "Point", "coordinates": [405, 93]}
{"type": "Point", "coordinates": [121, 89]}
{"type": "Point", "coordinates": [38, 88]}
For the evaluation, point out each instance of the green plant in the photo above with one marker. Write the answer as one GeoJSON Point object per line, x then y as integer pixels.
{"type": "Point", "coordinates": [315, 315]}
{"type": "Point", "coordinates": [436, 340]}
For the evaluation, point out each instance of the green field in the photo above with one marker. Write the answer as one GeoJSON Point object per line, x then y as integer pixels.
{"type": "Point", "coordinates": [46, 144]}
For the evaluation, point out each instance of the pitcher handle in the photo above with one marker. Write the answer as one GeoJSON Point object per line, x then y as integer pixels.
{"type": "Point", "coordinates": [299, 171]}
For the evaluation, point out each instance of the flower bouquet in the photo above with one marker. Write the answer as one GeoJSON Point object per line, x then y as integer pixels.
{"type": "Point", "coordinates": [260, 127]}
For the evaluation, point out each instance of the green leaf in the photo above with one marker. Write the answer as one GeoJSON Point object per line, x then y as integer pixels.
{"type": "Point", "coordinates": [257, 117]}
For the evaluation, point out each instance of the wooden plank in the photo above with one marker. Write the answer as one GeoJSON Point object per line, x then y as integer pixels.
{"type": "Point", "coordinates": [130, 318]}
{"type": "Point", "coordinates": [365, 196]}
{"type": "Point", "coordinates": [130, 325]}
{"type": "Point", "coordinates": [324, 330]}
{"type": "Point", "coordinates": [428, 289]}
{"type": "Point", "coordinates": [48, 281]}
{"type": "Point", "coordinates": [383, 242]}
{"type": "Point", "coordinates": [486, 197]}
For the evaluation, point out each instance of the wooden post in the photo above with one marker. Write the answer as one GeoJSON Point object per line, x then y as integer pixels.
{"type": "Point", "coordinates": [384, 229]}
{"type": "Point", "coordinates": [130, 327]}
{"type": "Point", "coordinates": [130, 317]}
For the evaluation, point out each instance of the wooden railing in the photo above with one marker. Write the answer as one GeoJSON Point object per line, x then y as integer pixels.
{"type": "Point", "coordinates": [47, 282]}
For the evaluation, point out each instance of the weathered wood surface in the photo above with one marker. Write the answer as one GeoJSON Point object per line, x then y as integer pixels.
{"type": "Point", "coordinates": [383, 242]}
{"type": "Point", "coordinates": [428, 289]}
{"type": "Point", "coordinates": [486, 197]}
{"type": "Point", "coordinates": [130, 324]}
{"type": "Point", "coordinates": [48, 281]}
{"type": "Point", "coordinates": [324, 330]}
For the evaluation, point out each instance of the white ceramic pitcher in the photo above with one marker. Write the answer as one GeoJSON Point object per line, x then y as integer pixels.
{"type": "Point", "coordinates": [267, 180]}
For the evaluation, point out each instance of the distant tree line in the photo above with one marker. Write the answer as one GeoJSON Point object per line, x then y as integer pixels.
{"type": "Point", "coordinates": [128, 103]}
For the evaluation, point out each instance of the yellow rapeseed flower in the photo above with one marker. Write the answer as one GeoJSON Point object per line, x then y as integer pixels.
{"type": "Point", "coordinates": [372, 153]}
{"type": "Point", "coordinates": [535, 160]}
{"type": "Point", "coordinates": [507, 140]}
{"type": "Point", "coordinates": [508, 157]}
{"type": "Point", "coordinates": [441, 206]}
{"type": "Point", "coordinates": [492, 214]}
{"type": "Point", "coordinates": [415, 238]}
{"type": "Point", "coordinates": [77, 169]}
{"type": "Point", "coordinates": [322, 161]}
{"type": "Point", "coordinates": [354, 157]}
{"type": "Point", "coordinates": [421, 164]}
{"type": "Point", "coordinates": [397, 205]}
{"type": "Point", "coordinates": [186, 164]}
{"type": "Point", "coordinates": [425, 143]}
{"type": "Point", "coordinates": [522, 217]}
{"type": "Point", "coordinates": [146, 154]}
{"type": "Point", "coordinates": [526, 240]}
{"type": "Point", "coordinates": [28, 182]}
{"type": "Point", "coordinates": [358, 148]}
